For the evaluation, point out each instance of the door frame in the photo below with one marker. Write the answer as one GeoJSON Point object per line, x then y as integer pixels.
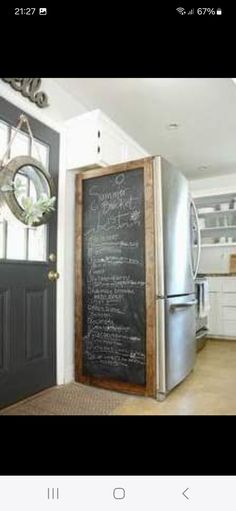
{"type": "Point", "coordinates": [149, 389]}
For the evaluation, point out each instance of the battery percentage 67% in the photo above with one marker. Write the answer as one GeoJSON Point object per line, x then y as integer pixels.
{"type": "Point", "coordinates": [206, 10]}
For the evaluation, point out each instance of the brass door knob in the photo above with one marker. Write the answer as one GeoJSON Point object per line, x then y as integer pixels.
{"type": "Point", "coordinates": [53, 275]}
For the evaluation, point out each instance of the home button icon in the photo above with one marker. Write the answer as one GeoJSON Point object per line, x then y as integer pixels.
{"type": "Point", "coordinates": [119, 493]}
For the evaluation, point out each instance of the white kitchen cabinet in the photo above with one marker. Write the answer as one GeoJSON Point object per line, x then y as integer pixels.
{"type": "Point", "coordinates": [229, 285]}
{"type": "Point", "coordinates": [215, 284]}
{"type": "Point", "coordinates": [94, 139]}
{"type": "Point", "coordinates": [229, 299]}
{"type": "Point", "coordinates": [228, 329]}
{"type": "Point", "coordinates": [213, 318]}
{"type": "Point", "coordinates": [222, 314]}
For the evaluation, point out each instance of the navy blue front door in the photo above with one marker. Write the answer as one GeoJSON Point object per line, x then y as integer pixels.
{"type": "Point", "coordinates": [27, 296]}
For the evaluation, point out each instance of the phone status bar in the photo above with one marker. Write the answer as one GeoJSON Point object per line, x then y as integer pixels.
{"type": "Point", "coordinates": [200, 11]}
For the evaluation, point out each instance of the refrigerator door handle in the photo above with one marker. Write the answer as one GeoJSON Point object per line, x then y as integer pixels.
{"type": "Point", "coordinates": [198, 240]}
{"type": "Point", "coordinates": [181, 305]}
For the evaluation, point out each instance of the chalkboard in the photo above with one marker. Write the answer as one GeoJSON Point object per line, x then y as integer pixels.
{"type": "Point", "coordinates": [113, 277]}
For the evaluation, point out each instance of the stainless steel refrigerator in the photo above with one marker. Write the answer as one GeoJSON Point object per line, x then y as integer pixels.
{"type": "Point", "coordinates": [177, 233]}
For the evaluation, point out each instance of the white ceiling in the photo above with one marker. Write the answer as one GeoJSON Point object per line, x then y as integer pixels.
{"type": "Point", "coordinates": [204, 108]}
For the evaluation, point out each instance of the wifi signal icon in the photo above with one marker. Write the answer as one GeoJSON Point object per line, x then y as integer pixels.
{"type": "Point", "coordinates": [181, 10]}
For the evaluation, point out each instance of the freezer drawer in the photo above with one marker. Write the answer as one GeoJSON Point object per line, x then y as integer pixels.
{"type": "Point", "coordinates": [180, 338]}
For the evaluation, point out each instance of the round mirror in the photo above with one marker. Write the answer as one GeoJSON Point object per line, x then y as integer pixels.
{"type": "Point", "coordinates": [28, 180]}
{"type": "Point", "coordinates": [28, 190]}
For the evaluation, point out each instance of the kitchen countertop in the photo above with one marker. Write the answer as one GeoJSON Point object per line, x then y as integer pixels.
{"type": "Point", "coordinates": [216, 275]}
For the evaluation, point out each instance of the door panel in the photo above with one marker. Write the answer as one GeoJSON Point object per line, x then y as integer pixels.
{"type": "Point", "coordinates": [36, 310]}
{"type": "Point", "coordinates": [176, 232]}
{"type": "Point", "coordinates": [29, 331]}
{"type": "Point", "coordinates": [5, 297]}
{"type": "Point", "coordinates": [180, 324]}
{"type": "Point", "coordinates": [27, 297]}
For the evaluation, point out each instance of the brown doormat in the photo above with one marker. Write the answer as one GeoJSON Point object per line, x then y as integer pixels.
{"type": "Point", "coordinates": [71, 399]}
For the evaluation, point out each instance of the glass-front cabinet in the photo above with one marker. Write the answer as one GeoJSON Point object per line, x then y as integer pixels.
{"type": "Point", "coordinates": [217, 219]}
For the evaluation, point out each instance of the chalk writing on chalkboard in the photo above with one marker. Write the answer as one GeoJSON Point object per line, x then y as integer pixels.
{"type": "Point", "coordinates": [114, 329]}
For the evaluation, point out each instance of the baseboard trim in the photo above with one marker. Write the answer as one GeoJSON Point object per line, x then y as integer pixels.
{"type": "Point", "coordinates": [219, 338]}
{"type": "Point", "coordinates": [69, 374]}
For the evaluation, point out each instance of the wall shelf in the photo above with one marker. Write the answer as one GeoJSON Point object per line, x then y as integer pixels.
{"type": "Point", "coordinates": [218, 245]}
{"type": "Point", "coordinates": [217, 213]}
{"type": "Point", "coordinates": [211, 221]}
{"type": "Point", "coordinates": [206, 231]}
{"type": "Point", "coordinates": [214, 200]}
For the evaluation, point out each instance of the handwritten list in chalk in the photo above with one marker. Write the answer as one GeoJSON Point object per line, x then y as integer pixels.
{"type": "Point", "coordinates": [114, 327]}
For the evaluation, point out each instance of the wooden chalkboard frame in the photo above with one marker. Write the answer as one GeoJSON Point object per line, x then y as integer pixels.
{"type": "Point", "coordinates": [149, 389]}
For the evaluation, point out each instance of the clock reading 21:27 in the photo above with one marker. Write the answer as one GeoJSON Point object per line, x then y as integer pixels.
{"type": "Point", "coordinates": [29, 11]}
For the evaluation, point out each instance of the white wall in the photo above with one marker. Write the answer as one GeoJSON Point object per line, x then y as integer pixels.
{"type": "Point", "coordinates": [66, 282]}
{"type": "Point", "coordinates": [213, 185]}
{"type": "Point", "coordinates": [62, 106]}
{"type": "Point", "coordinates": [214, 259]}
